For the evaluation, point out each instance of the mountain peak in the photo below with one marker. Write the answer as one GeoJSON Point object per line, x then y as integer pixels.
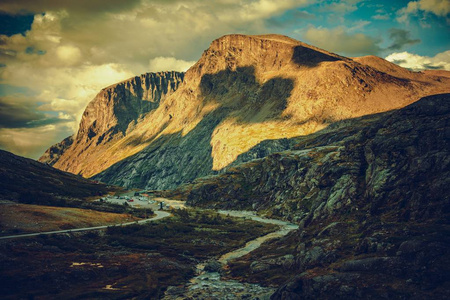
{"type": "Point", "coordinates": [264, 37]}
{"type": "Point", "coordinates": [266, 53]}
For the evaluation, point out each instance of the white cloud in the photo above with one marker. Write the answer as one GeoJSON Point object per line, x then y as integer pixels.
{"type": "Point", "coordinates": [31, 142]}
{"type": "Point", "coordinates": [416, 62]}
{"type": "Point", "coordinates": [68, 54]}
{"type": "Point", "coordinates": [381, 17]}
{"type": "Point", "coordinates": [161, 63]}
{"type": "Point", "coordinates": [66, 89]}
{"type": "Point", "coordinates": [340, 40]}
{"type": "Point", "coordinates": [437, 7]}
{"type": "Point", "coordinates": [341, 6]}
{"type": "Point", "coordinates": [358, 25]}
{"type": "Point", "coordinates": [261, 9]}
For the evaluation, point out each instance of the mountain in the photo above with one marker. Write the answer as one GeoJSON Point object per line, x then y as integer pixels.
{"type": "Point", "coordinates": [244, 99]}
{"type": "Point", "coordinates": [52, 155]}
{"type": "Point", "coordinates": [108, 118]}
{"type": "Point", "coordinates": [28, 181]}
{"type": "Point", "coordinates": [372, 200]}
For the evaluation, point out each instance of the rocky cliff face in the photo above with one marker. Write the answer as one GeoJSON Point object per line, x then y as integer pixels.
{"type": "Point", "coordinates": [109, 117]}
{"type": "Point", "coordinates": [52, 155]}
{"type": "Point", "coordinates": [371, 197]}
{"type": "Point", "coordinates": [243, 92]}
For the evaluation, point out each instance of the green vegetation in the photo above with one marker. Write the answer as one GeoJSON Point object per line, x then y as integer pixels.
{"type": "Point", "coordinates": [138, 261]}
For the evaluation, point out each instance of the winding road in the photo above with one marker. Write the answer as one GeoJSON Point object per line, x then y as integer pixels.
{"type": "Point", "coordinates": [159, 215]}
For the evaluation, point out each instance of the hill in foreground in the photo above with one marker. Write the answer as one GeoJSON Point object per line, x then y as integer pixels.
{"type": "Point", "coordinates": [27, 181]}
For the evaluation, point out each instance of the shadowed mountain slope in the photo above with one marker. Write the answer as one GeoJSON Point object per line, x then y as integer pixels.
{"type": "Point", "coordinates": [372, 200]}
{"type": "Point", "coordinates": [244, 90]}
{"type": "Point", "coordinates": [28, 181]}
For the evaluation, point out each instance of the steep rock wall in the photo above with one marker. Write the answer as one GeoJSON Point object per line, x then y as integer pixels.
{"type": "Point", "coordinates": [109, 117]}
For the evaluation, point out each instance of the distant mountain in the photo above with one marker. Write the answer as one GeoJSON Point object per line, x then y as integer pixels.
{"type": "Point", "coordinates": [52, 155]}
{"type": "Point", "coordinates": [28, 181]}
{"type": "Point", "coordinates": [244, 98]}
{"type": "Point", "coordinates": [371, 196]}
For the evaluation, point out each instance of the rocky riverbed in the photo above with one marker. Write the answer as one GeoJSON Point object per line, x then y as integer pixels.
{"type": "Point", "coordinates": [209, 283]}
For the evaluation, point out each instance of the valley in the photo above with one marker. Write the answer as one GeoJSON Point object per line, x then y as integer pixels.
{"type": "Point", "coordinates": [273, 170]}
{"type": "Point", "coordinates": [136, 261]}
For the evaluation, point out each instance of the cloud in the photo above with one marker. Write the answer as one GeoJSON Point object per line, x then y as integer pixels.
{"type": "Point", "coordinates": [161, 63]}
{"type": "Point", "coordinates": [75, 48]}
{"type": "Point", "coordinates": [79, 6]}
{"type": "Point", "coordinates": [292, 18]}
{"type": "Point", "coordinates": [262, 9]}
{"type": "Point", "coordinates": [17, 113]}
{"type": "Point", "coordinates": [438, 7]}
{"type": "Point", "coordinates": [340, 6]}
{"type": "Point", "coordinates": [340, 40]}
{"type": "Point", "coordinates": [69, 55]}
{"type": "Point", "coordinates": [416, 62]}
{"type": "Point", "coordinates": [400, 38]}
{"type": "Point", "coordinates": [31, 142]}
{"type": "Point", "coordinates": [66, 89]}
{"type": "Point", "coordinates": [381, 17]}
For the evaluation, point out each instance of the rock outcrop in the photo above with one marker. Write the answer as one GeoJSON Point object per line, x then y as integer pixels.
{"type": "Point", "coordinates": [243, 92]}
{"type": "Point", "coordinates": [371, 198]}
{"type": "Point", "coordinates": [377, 158]}
{"type": "Point", "coordinates": [52, 155]}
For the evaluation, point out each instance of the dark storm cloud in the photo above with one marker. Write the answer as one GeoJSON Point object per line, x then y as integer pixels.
{"type": "Point", "coordinates": [23, 115]}
{"type": "Point", "coordinates": [17, 115]}
{"type": "Point", "coordinates": [400, 39]}
{"type": "Point", "coordinates": [399, 61]}
{"type": "Point", "coordinates": [24, 7]}
{"type": "Point", "coordinates": [434, 67]}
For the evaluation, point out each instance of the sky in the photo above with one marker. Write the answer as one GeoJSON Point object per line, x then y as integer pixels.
{"type": "Point", "coordinates": [56, 55]}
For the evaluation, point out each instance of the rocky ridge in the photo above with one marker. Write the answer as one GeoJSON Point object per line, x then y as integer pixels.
{"type": "Point", "coordinates": [242, 99]}
{"type": "Point", "coordinates": [371, 198]}
{"type": "Point", "coordinates": [52, 155]}
{"type": "Point", "coordinates": [109, 117]}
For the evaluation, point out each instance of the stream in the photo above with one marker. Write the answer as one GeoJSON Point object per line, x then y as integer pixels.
{"type": "Point", "coordinates": [210, 285]}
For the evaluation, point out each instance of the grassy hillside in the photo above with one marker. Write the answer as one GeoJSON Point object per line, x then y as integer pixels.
{"type": "Point", "coordinates": [28, 181]}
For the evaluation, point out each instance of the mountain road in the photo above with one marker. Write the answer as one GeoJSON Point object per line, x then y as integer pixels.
{"type": "Point", "coordinates": [159, 215]}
